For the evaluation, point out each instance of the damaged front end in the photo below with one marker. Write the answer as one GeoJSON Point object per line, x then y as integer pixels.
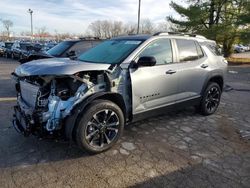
{"type": "Point", "coordinates": [44, 101]}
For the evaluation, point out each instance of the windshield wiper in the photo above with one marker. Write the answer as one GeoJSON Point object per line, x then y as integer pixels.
{"type": "Point", "coordinates": [93, 61]}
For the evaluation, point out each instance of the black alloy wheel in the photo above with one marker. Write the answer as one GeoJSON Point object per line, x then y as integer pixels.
{"type": "Point", "coordinates": [100, 126]}
{"type": "Point", "coordinates": [211, 99]}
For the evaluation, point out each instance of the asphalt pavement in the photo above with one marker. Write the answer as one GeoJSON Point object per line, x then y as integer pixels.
{"type": "Point", "coordinates": [180, 149]}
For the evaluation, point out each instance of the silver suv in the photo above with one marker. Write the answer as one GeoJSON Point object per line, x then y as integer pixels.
{"type": "Point", "coordinates": [122, 80]}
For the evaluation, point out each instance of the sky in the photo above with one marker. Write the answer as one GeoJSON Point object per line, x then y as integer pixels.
{"type": "Point", "coordinates": [74, 16]}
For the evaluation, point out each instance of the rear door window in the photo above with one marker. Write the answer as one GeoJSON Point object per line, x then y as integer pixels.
{"type": "Point", "coordinates": [187, 50]}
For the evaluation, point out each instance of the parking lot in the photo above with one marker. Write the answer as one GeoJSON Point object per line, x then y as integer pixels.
{"type": "Point", "coordinates": [241, 55]}
{"type": "Point", "coordinates": [180, 149]}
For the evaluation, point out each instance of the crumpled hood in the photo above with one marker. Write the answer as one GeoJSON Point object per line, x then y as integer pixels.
{"type": "Point", "coordinates": [57, 66]}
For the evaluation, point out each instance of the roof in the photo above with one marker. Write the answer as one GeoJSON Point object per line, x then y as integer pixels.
{"type": "Point", "coordinates": [81, 39]}
{"type": "Point", "coordinates": [133, 37]}
{"type": "Point", "coordinates": [198, 38]}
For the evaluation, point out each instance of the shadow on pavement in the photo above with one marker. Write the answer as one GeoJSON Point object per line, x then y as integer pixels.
{"type": "Point", "coordinates": [193, 176]}
{"type": "Point", "coordinates": [17, 150]}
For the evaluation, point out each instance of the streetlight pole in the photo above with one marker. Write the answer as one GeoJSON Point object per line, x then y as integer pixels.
{"type": "Point", "coordinates": [139, 15]}
{"type": "Point", "coordinates": [31, 23]}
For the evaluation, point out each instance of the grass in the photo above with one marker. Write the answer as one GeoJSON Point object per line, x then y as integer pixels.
{"type": "Point", "coordinates": [238, 61]}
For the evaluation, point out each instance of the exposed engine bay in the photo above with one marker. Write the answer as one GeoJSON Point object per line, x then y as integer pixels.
{"type": "Point", "coordinates": [43, 102]}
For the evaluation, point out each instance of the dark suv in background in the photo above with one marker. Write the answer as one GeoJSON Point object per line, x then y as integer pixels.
{"type": "Point", "coordinates": [6, 49]}
{"type": "Point", "coordinates": [20, 49]}
{"type": "Point", "coordinates": [68, 48]}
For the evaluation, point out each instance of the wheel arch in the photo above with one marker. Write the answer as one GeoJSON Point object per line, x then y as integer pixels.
{"type": "Point", "coordinates": [217, 78]}
{"type": "Point", "coordinates": [71, 121]}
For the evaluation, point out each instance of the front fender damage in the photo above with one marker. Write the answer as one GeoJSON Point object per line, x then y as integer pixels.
{"type": "Point", "coordinates": [55, 98]}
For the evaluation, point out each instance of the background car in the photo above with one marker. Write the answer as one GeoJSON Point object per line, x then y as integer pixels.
{"type": "Point", "coordinates": [245, 48]}
{"type": "Point", "coordinates": [1, 48]}
{"type": "Point", "coordinates": [31, 49]}
{"type": "Point", "coordinates": [7, 49]}
{"type": "Point", "coordinates": [68, 48]}
{"type": "Point", "coordinates": [238, 49]}
{"type": "Point", "coordinates": [20, 49]}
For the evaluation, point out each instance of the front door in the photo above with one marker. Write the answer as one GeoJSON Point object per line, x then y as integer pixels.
{"type": "Point", "coordinates": [155, 86]}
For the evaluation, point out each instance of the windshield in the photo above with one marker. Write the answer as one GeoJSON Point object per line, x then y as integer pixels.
{"type": "Point", "coordinates": [110, 52]}
{"type": "Point", "coordinates": [59, 49]}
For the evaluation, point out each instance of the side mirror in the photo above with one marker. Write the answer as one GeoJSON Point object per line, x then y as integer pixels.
{"type": "Point", "coordinates": [71, 53]}
{"type": "Point", "coordinates": [146, 61]}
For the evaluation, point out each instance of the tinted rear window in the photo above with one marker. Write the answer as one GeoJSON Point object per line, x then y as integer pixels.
{"type": "Point", "coordinates": [8, 45]}
{"type": "Point", "coordinates": [214, 48]}
{"type": "Point", "coordinates": [187, 50]}
{"type": "Point", "coordinates": [60, 48]}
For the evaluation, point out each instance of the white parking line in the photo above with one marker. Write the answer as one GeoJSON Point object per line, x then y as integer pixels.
{"type": "Point", "coordinates": [7, 99]}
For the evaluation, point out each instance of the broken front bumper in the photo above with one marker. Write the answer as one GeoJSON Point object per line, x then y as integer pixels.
{"type": "Point", "coordinates": [25, 119]}
{"type": "Point", "coordinates": [19, 121]}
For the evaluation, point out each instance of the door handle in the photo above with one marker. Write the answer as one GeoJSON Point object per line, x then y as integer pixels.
{"type": "Point", "coordinates": [204, 66]}
{"type": "Point", "coordinates": [170, 72]}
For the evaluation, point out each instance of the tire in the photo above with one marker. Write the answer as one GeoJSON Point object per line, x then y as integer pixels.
{"type": "Point", "coordinates": [210, 99]}
{"type": "Point", "coordinates": [100, 126]}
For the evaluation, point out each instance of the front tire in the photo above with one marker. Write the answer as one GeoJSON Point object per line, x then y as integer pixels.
{"type": "Point", "coordinates": [100, 126]}
{"type": "Point", "coordinates": [211, 99]}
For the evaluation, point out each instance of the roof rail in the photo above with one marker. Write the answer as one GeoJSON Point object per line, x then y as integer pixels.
{"type": "Point", "coordinates": [179, 34]}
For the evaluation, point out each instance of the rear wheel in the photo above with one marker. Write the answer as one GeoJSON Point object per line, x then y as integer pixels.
{"type": "Point", "coordinates": [211, 99]}
{"type": "Point", "coordinates": [100, 126]}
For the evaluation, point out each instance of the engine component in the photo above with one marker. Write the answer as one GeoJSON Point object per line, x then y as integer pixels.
{"type": "Point", "coordinates": [58, 108]}
{"type": "Point", "coordinates": [46, 101]}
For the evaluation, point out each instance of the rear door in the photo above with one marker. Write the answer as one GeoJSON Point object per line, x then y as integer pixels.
{"type": "Point", "coordinates": [156, 86]}
{"type": "Point", "coordinates": [193, 69]}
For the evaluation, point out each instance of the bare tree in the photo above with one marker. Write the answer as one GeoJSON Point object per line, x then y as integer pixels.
{"type": "Point", "coordinates": [109, 29]}
{"type": "Point", "coordinates": [165, 26]}
{"type": "Point", "coordinates": [64, 36]}
{"type": "Point", "coordinates": [25, 33]}
{"type": "Point", "coordinates": [130, 28]}
{"type": "Point", "coordinates": [42, 32]}
{"type": "Point", "coordinates": [117, 28]}
{"type": "Point", "coordinates": [96, 28]}
{"type": "Point", "coordinates": [7, 24]}
{"type": "Point", "coordinates": [147, 26]}
{"type": "Point", "coordinates": [106, 28]}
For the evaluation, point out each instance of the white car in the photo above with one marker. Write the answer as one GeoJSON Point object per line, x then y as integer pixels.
{"type": "Point", "coordinates": [238, 49]}
{"type": "Point", "coordinates": [245, 48]}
